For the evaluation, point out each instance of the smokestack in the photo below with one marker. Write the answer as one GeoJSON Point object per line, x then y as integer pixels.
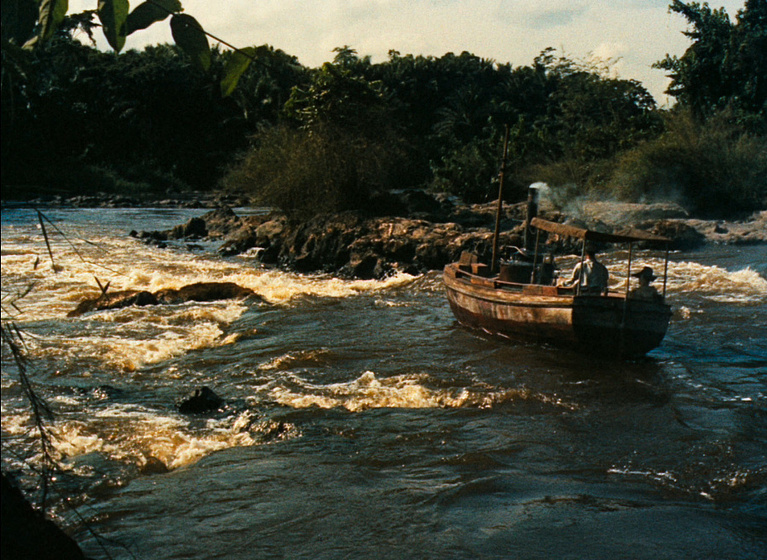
{"type": "Point", "coordinates": [532, 212]}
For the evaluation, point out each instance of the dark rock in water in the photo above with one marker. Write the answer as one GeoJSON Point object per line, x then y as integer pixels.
{"type": "Point", "coordinates": [683, 236]}
{"type": "Point", "coordinates": [199, 401]}
{"type": "Point", "coordinates": [153, 465]}
{"type": "Point", "coordinates": [200, 291]}
{"type": "Point", "coordinates": [115, 300]}
{"type": "Point", "coordinates": [203, 291]}
{"type": "Point", "coordinates": [27, 534]}
{"type": "Point", "coordinates": [193, 229]}
{"type": "Point", "coordinates": [150, 236]}
{"type": "Point", "coordinates": [221, 221]}
{"type": "Point", "coordinates": [216, 223]}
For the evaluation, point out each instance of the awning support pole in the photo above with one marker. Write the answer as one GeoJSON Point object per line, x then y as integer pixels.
{"type": "Point", "coordinates": [580, 272]}
{"type": "Point", "coordinates": [665, 272]}
{"type": "Point", "coordinates": [535, 255]}
{"type": "Point", "coordinates": [494, 262]}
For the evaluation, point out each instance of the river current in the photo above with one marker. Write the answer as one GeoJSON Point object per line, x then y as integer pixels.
{"type": "Point", "coordinates": [361, 421]}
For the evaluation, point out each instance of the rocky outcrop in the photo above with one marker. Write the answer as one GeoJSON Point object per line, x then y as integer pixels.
{"type": "Point", "coordinates": [199, 291]}
{"type": "Point", "coordinates": [349, 245]}
{"type": "Point", "coordinates": [421, 232]}
{"type": "Point", "coordinates": [750, 231]}
{"type": "Point", "coordinates": [684, 237]}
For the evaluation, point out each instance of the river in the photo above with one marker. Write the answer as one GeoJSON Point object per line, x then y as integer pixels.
{"type": "Point", "coordinates": [362, 422]}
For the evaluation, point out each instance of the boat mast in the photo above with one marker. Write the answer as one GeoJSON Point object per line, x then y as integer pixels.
{"type": "Point", "coordinates": [494, 262]}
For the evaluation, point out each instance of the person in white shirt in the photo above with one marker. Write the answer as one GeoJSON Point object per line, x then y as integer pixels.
{"type": "Point", "coordinates": [594, 276]}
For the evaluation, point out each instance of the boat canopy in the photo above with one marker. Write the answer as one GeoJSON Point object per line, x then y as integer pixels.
{"type": "Point", "coordinates": [628, 236]}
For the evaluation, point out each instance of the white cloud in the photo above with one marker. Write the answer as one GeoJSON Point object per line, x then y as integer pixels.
{"type": "Point", "coordinates": [639, 31]}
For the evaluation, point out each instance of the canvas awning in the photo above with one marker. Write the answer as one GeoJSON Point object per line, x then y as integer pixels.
{"type": "Point", "coordinates": [629, 235]}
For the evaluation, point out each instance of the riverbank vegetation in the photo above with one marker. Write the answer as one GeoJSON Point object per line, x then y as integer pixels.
{"type": "Point", "coordinates": [332, 138]}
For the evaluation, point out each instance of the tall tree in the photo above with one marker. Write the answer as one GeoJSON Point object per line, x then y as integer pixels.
{"type": "Point", "coordinates": [726, 64]}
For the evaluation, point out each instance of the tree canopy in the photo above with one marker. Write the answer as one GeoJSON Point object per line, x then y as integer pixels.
{"type": "Point", "coordinates": [726, 64]}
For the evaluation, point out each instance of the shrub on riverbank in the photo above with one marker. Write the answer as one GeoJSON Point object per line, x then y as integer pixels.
{"type": "Point", "coordinates": [308, 173]}
{"type": "Point", "coordinates": [714, 169]}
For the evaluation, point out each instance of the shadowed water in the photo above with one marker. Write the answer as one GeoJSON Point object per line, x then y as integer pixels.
{"type": "Point", "coordinates": [363, 422]}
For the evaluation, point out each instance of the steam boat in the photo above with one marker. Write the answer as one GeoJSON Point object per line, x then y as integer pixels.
{"type": "Point", "coordinates": [522, 301]}
{"type": "Point", "coordinates": [519, 298]}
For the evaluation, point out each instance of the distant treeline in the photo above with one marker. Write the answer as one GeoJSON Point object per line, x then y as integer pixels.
{"type": "Point", "coordinates": [310, 140]}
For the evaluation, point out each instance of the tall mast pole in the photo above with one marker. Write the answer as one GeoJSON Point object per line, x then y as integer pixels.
{"type": "Point", "coordinates": [494, 263]}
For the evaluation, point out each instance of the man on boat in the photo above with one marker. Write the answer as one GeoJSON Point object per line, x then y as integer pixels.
{"type": "Point", "coordinates": [592, 274]}
{"type": "Point", "coordinates": [645, 291]}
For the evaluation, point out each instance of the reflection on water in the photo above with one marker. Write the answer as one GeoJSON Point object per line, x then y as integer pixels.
{"type": "Point", "coordinates": [361, 421]}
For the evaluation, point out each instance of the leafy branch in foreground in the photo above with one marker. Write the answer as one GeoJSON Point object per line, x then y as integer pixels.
{"type": "Point", "coordinates": [32, 23]}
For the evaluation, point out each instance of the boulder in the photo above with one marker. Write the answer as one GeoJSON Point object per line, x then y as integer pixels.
{"type": "Point", "coordinates": [114, 300]}
{"type": "Point", "coordinates": [684, 237]}
{"type": "Point", "coordinates": [193, 229]}
{"type": "Point", "coordinates": [153, 465]}
{"type": "Point", "coordinates": [221, 221]}
{"type": "Point", "coordinates": [203, 291]}
{"type": "Point", "coordinates": [199, 291]}
{"type": "Point", "coordinates": [199, 401]}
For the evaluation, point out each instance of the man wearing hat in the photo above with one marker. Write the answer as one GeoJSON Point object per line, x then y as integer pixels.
{"type": "Point", "coordinates": [645, 291]}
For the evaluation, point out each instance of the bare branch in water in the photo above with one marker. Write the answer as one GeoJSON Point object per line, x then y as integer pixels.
{"type": "Point", "coordinates": [45, 235]}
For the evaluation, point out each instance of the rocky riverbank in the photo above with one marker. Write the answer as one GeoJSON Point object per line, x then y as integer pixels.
{"type": "Point", "coordinates": [171, 199]}
{"type": "Point", "coordinates": [422, 233]}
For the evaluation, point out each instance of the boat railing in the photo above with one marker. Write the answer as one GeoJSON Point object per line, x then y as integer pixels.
{"type": "Point", "coordinates": [478, 274]}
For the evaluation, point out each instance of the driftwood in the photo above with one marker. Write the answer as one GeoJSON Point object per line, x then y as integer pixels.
{"type": "Point", "coordinates": [200, 291]}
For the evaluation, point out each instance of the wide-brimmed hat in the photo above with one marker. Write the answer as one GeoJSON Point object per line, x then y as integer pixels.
{"type": "Point", "coordinates": [647, 273]}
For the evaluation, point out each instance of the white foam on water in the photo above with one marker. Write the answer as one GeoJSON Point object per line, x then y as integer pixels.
{"type": "Point", "coordinates": [134, 337]}
{"type": "Point", "coordinates": [129, 351]}
{"type": "Point", "coordinates": [718, 284]}
{"type": "Point", "coordinates": [16, 422]}
{"type": "Point", "coordinates": [713, 282]}
{"type": "Point", "coordinates": [282, 287]}
{"type": "Point", "coordinates": [128, 264]}
{"type": "Point", "coordinates": [402, 391]}
{"type": "Point", "coordinates": [133, 434]}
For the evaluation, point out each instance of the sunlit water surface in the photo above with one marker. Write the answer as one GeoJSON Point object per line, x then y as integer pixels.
{"type": "Point", "coordinates": [363, 422]}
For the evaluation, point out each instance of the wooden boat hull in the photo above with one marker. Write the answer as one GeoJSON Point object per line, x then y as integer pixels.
{"type": "Point", "coordinates": [607, 325]}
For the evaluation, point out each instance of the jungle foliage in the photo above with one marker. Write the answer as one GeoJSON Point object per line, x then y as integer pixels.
{"type": "Point", "coordinates": [330, 138]}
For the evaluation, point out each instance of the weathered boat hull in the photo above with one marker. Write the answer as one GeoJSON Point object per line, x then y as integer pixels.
{"type": "Point", "coordinates": [608, 325]}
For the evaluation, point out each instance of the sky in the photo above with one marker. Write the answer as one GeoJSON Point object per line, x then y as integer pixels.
{"type": "Point", "coordinates": [632, 34]}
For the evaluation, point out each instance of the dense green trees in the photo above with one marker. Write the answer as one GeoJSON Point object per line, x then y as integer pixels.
{"type": "Point", "coordinates": [79, 118]}
{"type": "Point", "coordinates": [329, 138]}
